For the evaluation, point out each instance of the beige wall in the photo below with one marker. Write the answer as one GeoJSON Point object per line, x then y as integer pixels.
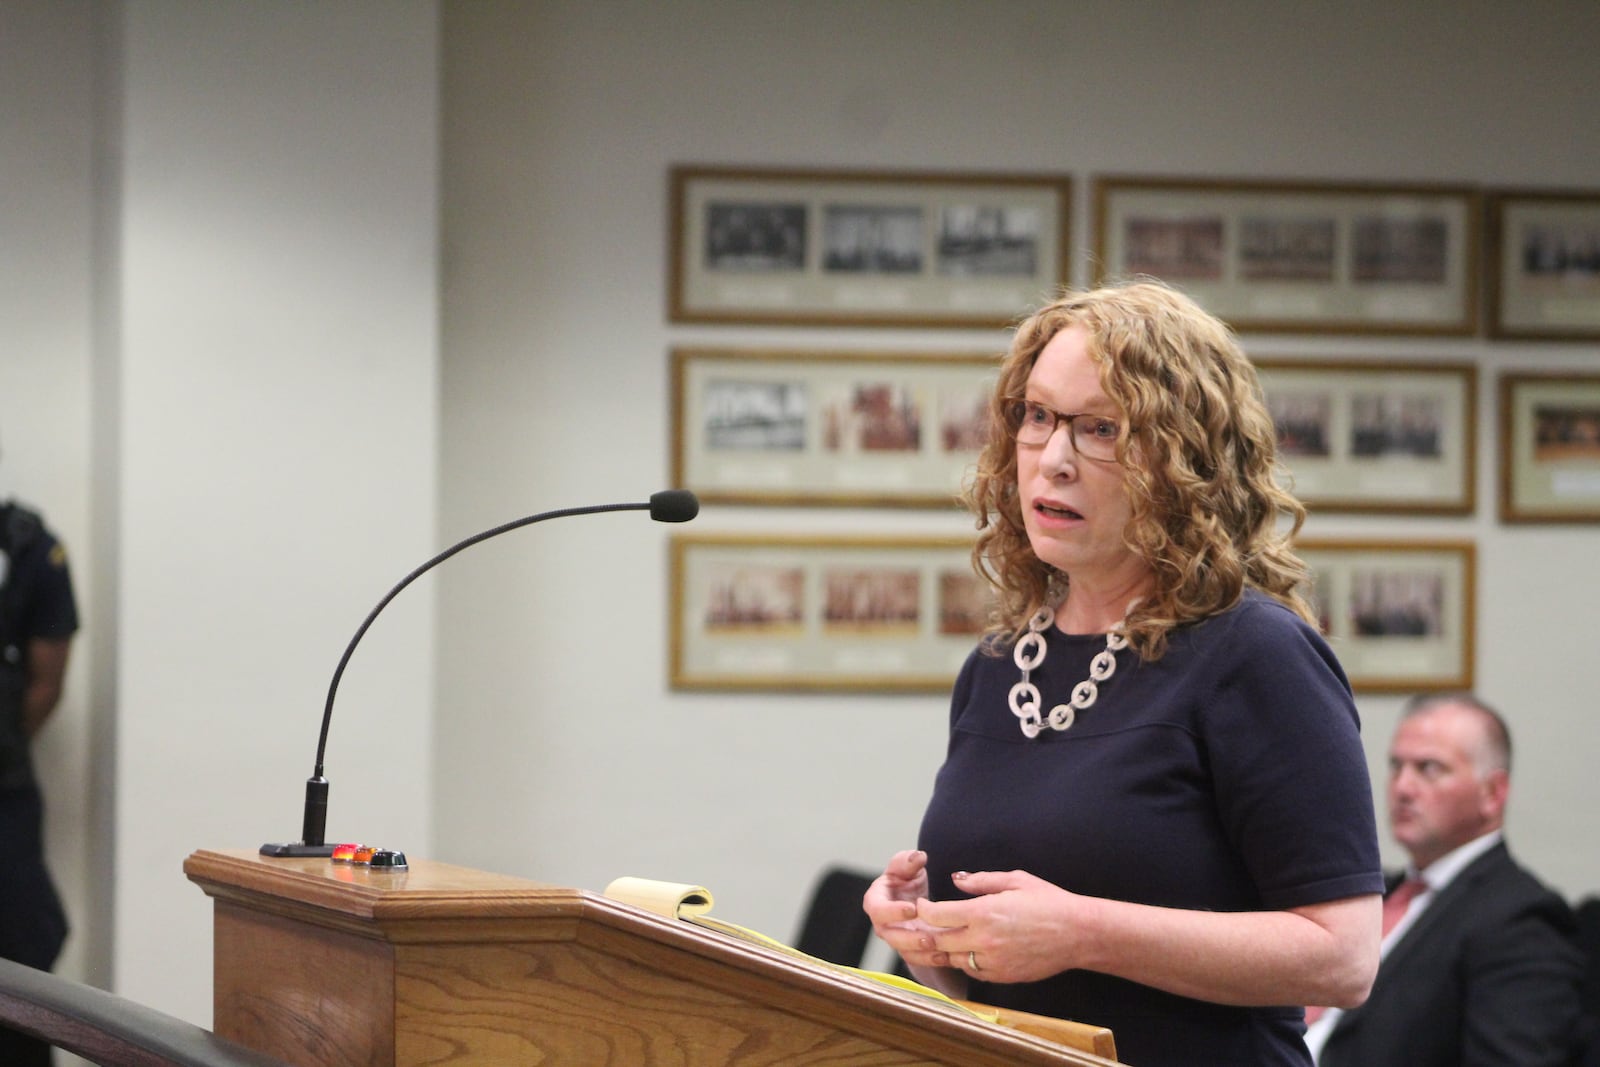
{"type": "Point", "coordinates": [561, 121]}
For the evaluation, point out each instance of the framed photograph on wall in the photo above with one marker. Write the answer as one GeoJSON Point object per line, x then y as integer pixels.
{"type": "Point", "coordinates": [1362, 436]}
{"type": "Point", "coordinates": [1549, 448]}
{"type": "Point", "coordinates": [801, 247]}
{"type": "Point", "coordinates": [1299, 257]}
{"type": "Point", "coordinates": [1544, 265]}
{"type": "Point", "coordinates": [1399, 614]}
{"type": "Point", "coordinates": [849, 428]}
{"type": "Point", "coordinates": [823, 613]}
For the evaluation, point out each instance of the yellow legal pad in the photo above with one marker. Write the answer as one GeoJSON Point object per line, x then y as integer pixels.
{"type": "Point", "coordinates": [692, 903]}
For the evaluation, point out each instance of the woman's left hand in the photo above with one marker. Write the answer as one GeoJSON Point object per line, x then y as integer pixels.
{"type": "Point", "coordinates": [1016, 927]}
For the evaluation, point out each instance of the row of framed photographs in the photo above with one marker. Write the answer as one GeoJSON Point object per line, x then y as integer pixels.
{"type": "Point", "coordinates": [873, 614]}
{"type": "Point", "coordinates": [807, 247]}
{"type": "Point", "coordinates": [904, 429]}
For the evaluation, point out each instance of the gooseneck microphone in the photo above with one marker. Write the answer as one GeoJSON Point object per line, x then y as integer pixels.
{"type": "Point", "coordinates": [668, 505]}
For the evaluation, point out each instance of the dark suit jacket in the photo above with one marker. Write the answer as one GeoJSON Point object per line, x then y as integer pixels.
{"type": "Point", "coordinates": [1486, 977]}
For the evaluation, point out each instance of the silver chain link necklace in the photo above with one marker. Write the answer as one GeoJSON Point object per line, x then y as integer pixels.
{"type": "Point", "coordinates": [1029, 654]}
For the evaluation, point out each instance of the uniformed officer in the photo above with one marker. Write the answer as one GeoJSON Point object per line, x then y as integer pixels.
{"type": "Point", "coordinates": [38, 617]}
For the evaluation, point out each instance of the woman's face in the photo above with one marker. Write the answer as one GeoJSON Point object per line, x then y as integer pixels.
{"type": "Point", "coordinates": [1074, 509]}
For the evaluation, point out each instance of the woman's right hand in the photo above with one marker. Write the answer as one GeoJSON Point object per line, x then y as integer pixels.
{"type": "Point", "coordinates": [891, 903]}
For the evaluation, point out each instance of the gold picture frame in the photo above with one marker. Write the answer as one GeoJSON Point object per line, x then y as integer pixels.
{"type": "Point", "coordinates": [1544, 264]}
{"type": "Point", "coordinates": [866, 614]}
{"type": "Point", "coordinates": [864, 248]}
{"type": "Point", "coordinates": [1300, 257]}
{"type": "Point", "coordinates": [1400, 615]}
{"type": "Point", "coordinates": [1366, 436]}
{"type": "Point", "coordinates": [764, 426]}
{"type": "Point", "coordinates": [757, 612]}
{"type": "Point", "coordinates": [1549, 448]}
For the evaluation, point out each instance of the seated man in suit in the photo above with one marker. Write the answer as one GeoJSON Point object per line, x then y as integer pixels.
{"type": "Point", "coordinates": [1478, 962]}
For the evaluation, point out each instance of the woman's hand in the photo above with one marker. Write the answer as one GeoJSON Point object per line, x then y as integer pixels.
{"type": "Point", "coordinates": [1016, 928]}
{"type": "Point", "coordinates": [892, 902]}
{"type": "Point", "coordinates": [1020, 928]}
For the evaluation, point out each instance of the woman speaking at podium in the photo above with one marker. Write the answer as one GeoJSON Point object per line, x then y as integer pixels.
{"type": "Point", "coordinates": [1154, 814]}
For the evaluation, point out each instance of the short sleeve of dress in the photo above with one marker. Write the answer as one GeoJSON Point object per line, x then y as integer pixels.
{"type": "Point", "coordinates": [1283, 737]}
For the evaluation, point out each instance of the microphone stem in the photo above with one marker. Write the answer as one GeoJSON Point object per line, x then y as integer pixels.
{"type": "Point", "coordinates": [669, 505]}
{"type": "Point", "coordinates": [333, 687]}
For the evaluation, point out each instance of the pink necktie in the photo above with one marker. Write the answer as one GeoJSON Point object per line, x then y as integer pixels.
{"type": "Point", "coordinates": [1394, 906]}
{"type": "Point", "coordinates": [1396, 903]}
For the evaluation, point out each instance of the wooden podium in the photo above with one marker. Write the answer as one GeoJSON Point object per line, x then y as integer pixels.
{"type": "Point", "coordinates": [331, 965]}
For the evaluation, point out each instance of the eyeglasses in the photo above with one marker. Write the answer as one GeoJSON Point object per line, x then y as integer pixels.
{"type": "Point", "coordinates": [1092, 436]}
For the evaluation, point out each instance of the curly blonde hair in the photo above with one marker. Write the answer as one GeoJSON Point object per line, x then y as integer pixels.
{"type": "Point", "coordinates": [1200, 459]}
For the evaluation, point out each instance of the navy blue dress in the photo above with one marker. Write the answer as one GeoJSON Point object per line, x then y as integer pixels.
{"type": "Point", "coordinates": [1227, 776]}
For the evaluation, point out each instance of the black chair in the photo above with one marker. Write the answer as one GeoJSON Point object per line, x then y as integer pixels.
{"type": "Point", "coordinates": [1588, 915]}
{"type": "Point", "coordinates": [834, 927]}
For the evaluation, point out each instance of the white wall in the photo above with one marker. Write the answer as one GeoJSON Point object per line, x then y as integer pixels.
{"type": "Point", "coordinates": [278, 351]}
{"type": "Point", "coordinates": [220, 376]}
{"type": "Point", "coordinates": [46, 140]}
{"type": "Point", "coordinates": [560, 752]}
{"type": "Point", "coordinates": [258, 302]}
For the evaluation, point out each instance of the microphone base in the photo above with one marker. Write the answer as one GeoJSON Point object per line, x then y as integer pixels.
{"type": "Point", "coordinates": [297, 851]}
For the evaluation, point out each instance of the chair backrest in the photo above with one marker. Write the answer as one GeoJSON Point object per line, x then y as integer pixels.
{"type": "Point", "coordinates": [1588, 915]}
{"type": "Point", "coordinates": [834, 928]}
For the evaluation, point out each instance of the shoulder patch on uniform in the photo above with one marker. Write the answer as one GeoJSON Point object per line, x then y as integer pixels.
{"type": "Point", "coordinates": [58, 555]}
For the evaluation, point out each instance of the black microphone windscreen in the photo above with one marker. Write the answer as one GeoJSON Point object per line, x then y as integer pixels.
{"type": "Point", "coordinates": [673, 505]}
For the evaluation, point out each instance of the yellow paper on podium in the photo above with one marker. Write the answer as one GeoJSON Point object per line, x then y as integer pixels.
{"type": "Point", "coordinates": [692, 903]}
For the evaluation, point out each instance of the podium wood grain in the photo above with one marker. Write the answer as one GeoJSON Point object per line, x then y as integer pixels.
{"type": "Point", "coordinates": [329, 965]}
